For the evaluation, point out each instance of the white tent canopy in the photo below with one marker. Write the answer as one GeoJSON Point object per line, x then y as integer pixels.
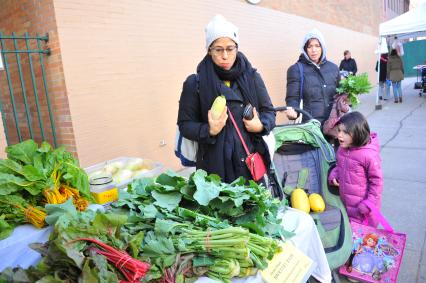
{"type": "Point", "coordinates": [408, 25]}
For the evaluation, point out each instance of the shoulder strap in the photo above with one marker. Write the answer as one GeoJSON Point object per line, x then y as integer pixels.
{"type": "Point", "coordinates": [238, 132]}
{"type": "Point", "coordinates": [300, 67]}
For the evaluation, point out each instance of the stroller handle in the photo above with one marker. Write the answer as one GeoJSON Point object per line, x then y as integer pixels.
{"type": "Point", "coordinates": [298, 110]}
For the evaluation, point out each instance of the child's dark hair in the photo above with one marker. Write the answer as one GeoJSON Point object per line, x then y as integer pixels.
{"type": "Point", "coordinates": [357, 127]}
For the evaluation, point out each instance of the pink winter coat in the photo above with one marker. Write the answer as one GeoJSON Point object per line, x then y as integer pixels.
{"type": "Point", "coordinates": [360, 177]}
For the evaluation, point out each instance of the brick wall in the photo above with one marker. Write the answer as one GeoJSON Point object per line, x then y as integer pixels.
{"type": "Point", "coordinates": [361, 15]}
{"type": "Point", "coordinates": [35, 17]}
{"type": "Point", "coordinates": [125, 62]}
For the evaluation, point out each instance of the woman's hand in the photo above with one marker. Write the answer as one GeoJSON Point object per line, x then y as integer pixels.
{"type": "Point", "coordinates": [291, 113]}
{"type": "Point", "coordinates": [254, 125]}
{"type": "Point", "coordinates": [216, 125]}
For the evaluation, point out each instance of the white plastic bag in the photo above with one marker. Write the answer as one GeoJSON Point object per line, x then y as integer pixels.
{"type": "Point", "coordinates": [185, 149]}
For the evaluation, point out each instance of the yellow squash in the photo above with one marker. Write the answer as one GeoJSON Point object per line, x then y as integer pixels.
{"type": "Point", "coordinates": [299, 200]}
{"type": "Point", "coordinates": [317, 203]}
{"type": "Point", "coordinates": [218, 106]}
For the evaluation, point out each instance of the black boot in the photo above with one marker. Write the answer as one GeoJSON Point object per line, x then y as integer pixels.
{"type": "Point", "coordinates": [400, 99]}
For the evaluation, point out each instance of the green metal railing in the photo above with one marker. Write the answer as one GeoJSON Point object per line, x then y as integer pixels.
{"type": "Point", "coordinates": [16, 83]}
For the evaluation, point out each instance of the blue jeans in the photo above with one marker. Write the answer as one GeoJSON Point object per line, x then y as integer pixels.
{"type": "Point", "coordinates": [397, 90]}
{"type": "Point", "coordinates": [383, 86]}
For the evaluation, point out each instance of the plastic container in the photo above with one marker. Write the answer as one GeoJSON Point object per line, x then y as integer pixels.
{"type": "Point", "coordinates": [149, 169]}
{"type": "Point", "coordinates": [103, 189]}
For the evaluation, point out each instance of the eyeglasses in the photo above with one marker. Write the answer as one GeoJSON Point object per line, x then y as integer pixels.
{"type": "Point", "coordinates": [220, 50]}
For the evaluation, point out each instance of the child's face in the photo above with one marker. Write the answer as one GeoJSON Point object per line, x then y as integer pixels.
{"type": "Point", "coordinates": [345, 140]}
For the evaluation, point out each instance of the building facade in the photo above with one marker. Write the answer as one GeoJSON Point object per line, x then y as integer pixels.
{"type": "Point", "coordinates": [116, 68]}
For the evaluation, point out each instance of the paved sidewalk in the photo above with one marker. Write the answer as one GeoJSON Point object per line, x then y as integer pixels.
{"type": "Point", "coordinates": [402, 133]}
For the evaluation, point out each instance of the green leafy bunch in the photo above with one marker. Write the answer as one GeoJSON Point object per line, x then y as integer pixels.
{"type": "Point", "coordinates": [354, 86]}
{"type": "Point", "coordinates": [27, 171]}
{"type": "Point", "coordinates": [67, 261]}
{"type": "Point", "coordinates": [248, 205]}
{"type": "Point", "coordinates": [31, 168]}
{"type": "Point", "coordinates": [161, 207]}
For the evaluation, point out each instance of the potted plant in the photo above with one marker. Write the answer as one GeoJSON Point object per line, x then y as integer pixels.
{"type": "Point", "coordinates": [353, 86]}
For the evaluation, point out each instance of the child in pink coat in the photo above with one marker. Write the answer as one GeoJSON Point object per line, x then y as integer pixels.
{"type": "Point", "coordinates": [358, 172]}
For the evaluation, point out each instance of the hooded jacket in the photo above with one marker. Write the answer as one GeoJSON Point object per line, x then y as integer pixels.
{"type": "Point", "coordinates": [319, 85]}
{"type": "Point", "coordinates": [359, 174]}
{"type": "Point", "coordinates": [395, 68]}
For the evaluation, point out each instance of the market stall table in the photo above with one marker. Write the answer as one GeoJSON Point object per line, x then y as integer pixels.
{"type": "Point", "coordinates": [14, 251]}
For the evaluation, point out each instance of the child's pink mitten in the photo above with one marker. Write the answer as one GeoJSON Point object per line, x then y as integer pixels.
{"type": "Point", "coordinates": [363, 209]}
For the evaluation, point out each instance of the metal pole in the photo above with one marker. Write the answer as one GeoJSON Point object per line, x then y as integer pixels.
{"type": "Point", "coordinates": [379, 49]}
{"type": "Point", "coordinates": [6, 132]}
{"type": "Point", "coordinates": [33, 79]}
{"type": "Point", "coordinates": [52, 123]}
{"type": "Point", "coordinates": [24, 91]}
{"type": "Point", "coordinates": [9, 82]}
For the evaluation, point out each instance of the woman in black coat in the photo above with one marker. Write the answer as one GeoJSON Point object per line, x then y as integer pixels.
{"type": "Point", "coordinates": [348, 63]}
{"type": "Point", "coordinates": [384, 88]}
{"type": "Point", "coordinates": [225, 71]}
{"type": "Point", "coordinates": [320, 79]}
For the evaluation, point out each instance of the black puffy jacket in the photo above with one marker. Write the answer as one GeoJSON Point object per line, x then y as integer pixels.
{"type": "Point", "coordinates": [224, 154]}
{"type": "Point", "coordinates": [383, 67]}
{"type": "Point", "coordinates": [319, 87]}
{"type": "Point", "coordinates": [348, 65]}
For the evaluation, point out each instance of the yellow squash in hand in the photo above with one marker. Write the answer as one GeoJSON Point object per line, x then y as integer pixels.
{"type": "Point", "coordinates": [218, 106]}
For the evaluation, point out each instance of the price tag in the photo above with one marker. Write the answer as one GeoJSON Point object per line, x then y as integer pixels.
{"type": "Point", "coordinates": [289, 265]}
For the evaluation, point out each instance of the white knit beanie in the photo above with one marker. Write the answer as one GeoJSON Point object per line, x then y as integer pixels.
{"type": "Point", "coordinates": [219, 27]}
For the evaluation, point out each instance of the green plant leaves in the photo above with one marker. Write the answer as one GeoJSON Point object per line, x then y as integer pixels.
{"type": "Point", "coordinates": [353, 86]}
{"type": "Point", "coordinates": [168, 201]}
{"type": "Point", "coordinates": [54, 211]}
{"type": "Point", "coordinates": [23, 151]}
{"type": "Point", "coordinates": [206, 189]}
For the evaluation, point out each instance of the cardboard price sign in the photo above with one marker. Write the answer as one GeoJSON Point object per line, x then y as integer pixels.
{"type": "Point", "coordinates": [289, 265]}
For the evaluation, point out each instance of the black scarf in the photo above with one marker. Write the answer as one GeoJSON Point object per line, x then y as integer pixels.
{"type": "Point", "coordinates": [232, 74]}
{"type": "Point", "coordinates": [211, 77]}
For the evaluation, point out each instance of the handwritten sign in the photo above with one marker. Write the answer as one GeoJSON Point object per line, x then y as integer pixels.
{"type": "Point", "coordinates": [289, 265]}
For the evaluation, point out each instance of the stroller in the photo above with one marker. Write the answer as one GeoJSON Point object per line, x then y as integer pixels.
{"type": "Point", "coordinates": [421, 84]}
{"type": "Point", "coordinates": [303, 158]}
